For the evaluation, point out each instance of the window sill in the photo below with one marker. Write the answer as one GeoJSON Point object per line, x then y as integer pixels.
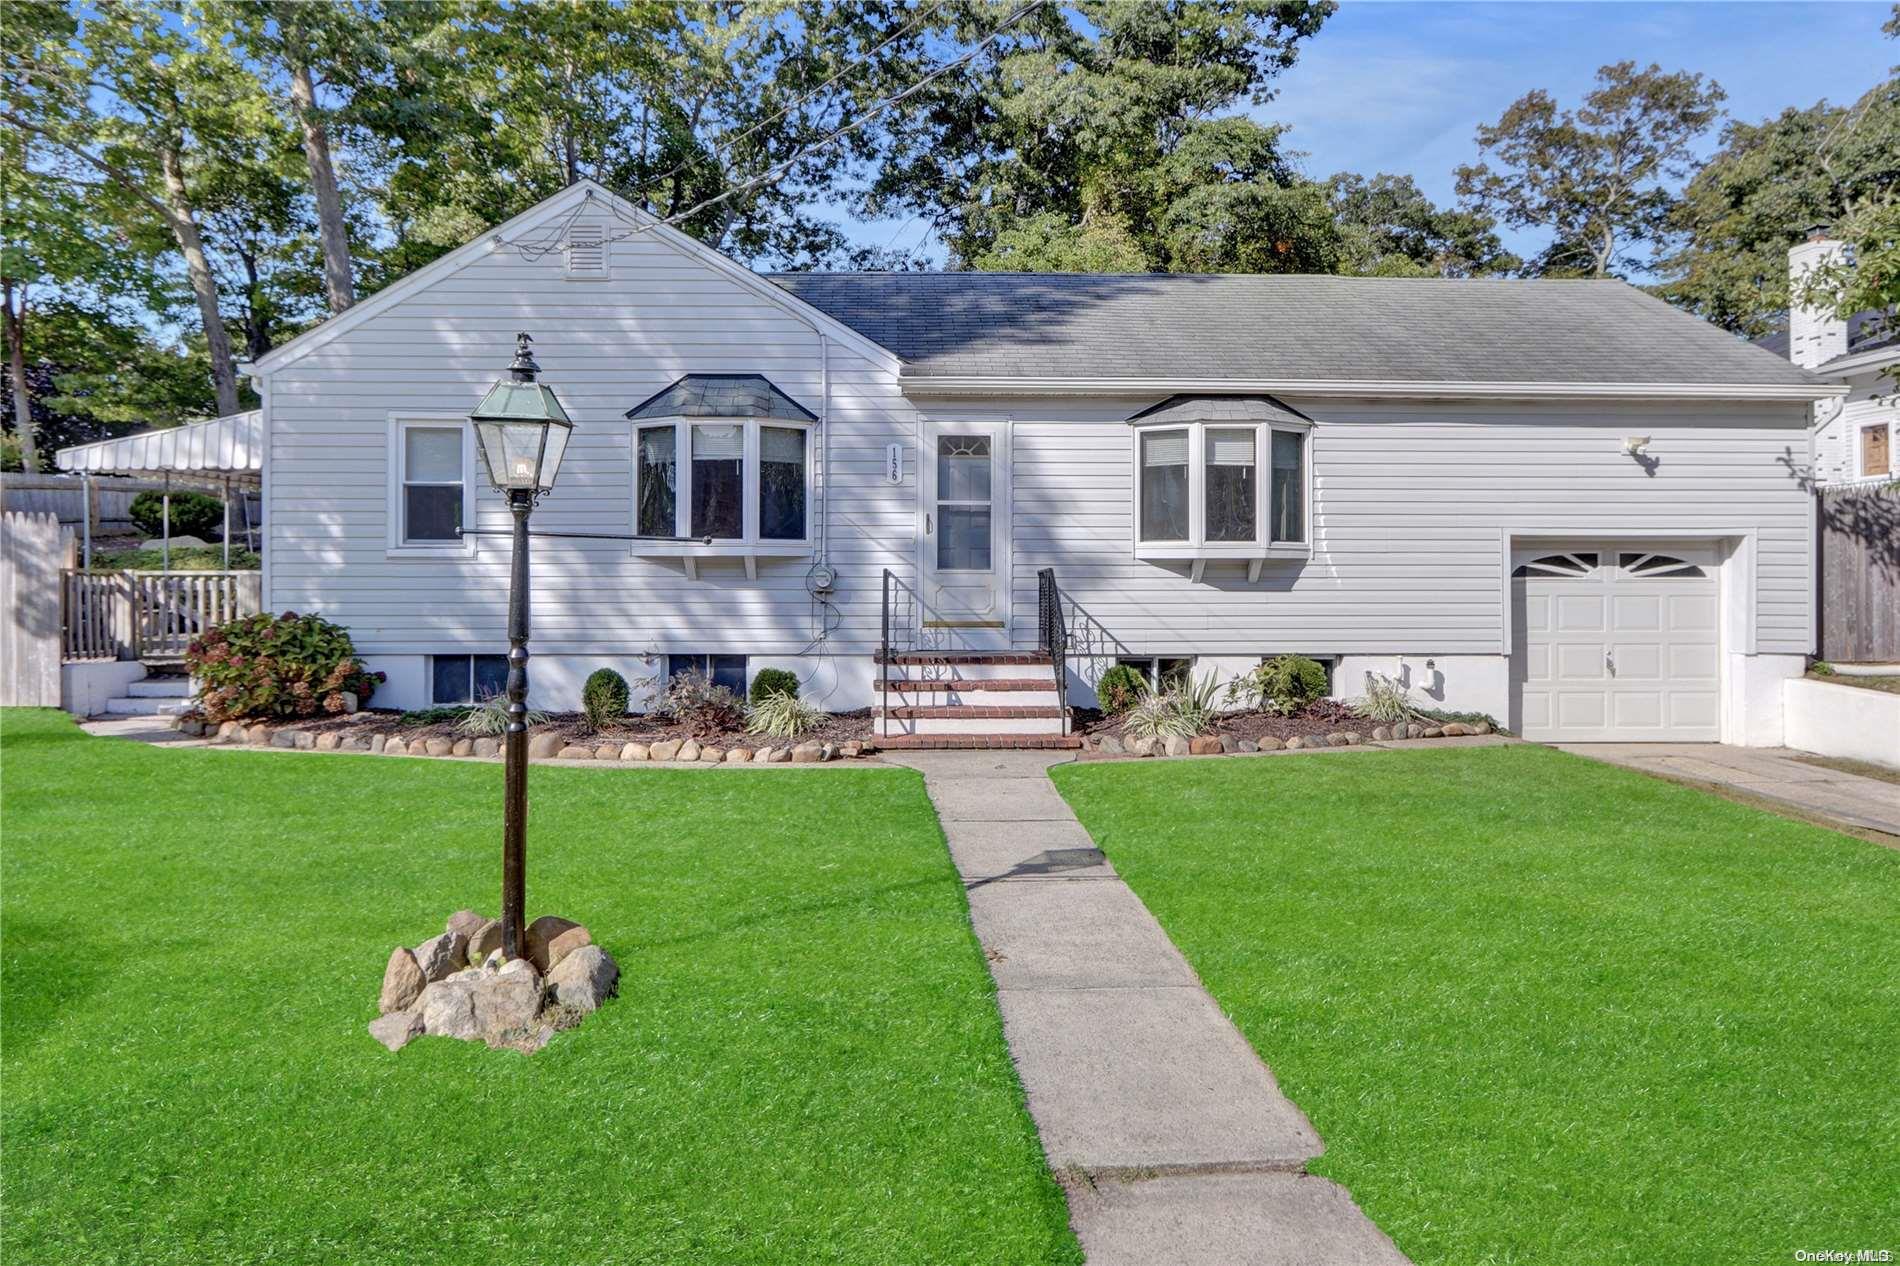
{"type": "Point", "coordinates": [1254, 554]}
{"type": "Point", "coordinates": [692, 553]}
{"type": "Point", "coordinates": [447, 549]}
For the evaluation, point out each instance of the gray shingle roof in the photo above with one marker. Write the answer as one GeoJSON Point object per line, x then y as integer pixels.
{"type": "Point", "coordinates": [1071, 325]}
{"type": "Point", "coordinates": [1188, 408]}
{"type": "Point", "coordinates": [1865, 332]}
{"type": "Point", "coordinates": [722, 396]}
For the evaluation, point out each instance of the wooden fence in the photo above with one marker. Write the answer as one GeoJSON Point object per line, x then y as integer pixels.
{"type": "Point", "coordinates": [169, 609]}
{"type": "Point", "coordinates": [1859, 573]}
{"type": "Point", "coordinates": [30, 557]}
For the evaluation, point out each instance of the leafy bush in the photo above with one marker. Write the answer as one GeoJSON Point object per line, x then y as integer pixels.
{"type": "Point", "coordinates": [490, 717]}
{"type": "Point", "coordinates": [285, 665]}
{"type": "Point", "coordinates": [781, 715]}
{"type": "Point", "coordinates": [1386, 700]}
{"type": "Point", "coordinates": [193, 514]}
{"type": "Point", "coordinates": [604, 698]}
{"type": "Point", "coordinates": [1284, 684]}
{"type": "Point", "coordinates": [1181, 711]}
{"type": "Point", "coordinates": [184, 558]}
{"type": "Point", "coordinates": [702, 707]}
{"type": "Point", "coordinates": [773, 681]}
{"type": "Point", "coordinates": [437, 715]}
{"type": "Point", "coordinates": [1119, 689]}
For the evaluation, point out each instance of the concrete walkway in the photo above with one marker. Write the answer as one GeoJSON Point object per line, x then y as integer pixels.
{"type": "Point", "coordinates": [1770, 773]}
{"type": "Point", "coordinates": [1171, 1137]}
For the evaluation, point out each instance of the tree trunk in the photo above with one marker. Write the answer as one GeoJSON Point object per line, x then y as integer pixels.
{"type": "Point", "coordinates": [16, 369]}
{"type": "Point", "coordinates": [204, 286]}
{"type": "Point", "coordinates": [338, 285]}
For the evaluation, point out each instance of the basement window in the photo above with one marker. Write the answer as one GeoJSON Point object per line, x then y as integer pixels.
{"type": "Point", "coordinates": [466, 678]}
{"type": "Point", "coordinates": [721, 670]}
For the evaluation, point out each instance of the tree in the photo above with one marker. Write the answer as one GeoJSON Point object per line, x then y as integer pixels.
{"type": "Point", "coordinates": [1389, 228]}
{"type": "Point", "coordinates": [1597, 178]}
{"type": "Point", "coordinates": [1103, 134]}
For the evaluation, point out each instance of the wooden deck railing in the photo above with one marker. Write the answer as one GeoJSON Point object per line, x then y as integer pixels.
{"type": "Point", "coordinates": [147, 614]}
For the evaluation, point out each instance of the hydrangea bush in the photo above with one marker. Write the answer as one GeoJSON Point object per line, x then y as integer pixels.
{"type": "Point", "coordinates": [285, 665]}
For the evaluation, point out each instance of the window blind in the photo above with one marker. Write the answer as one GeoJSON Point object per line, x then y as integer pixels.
{"type": "Point", "coordinates": [781, 444]}
{"type": "Point", "coordinates": [1230, 448]}
{"type": "Point", "coordinates": [716, 443]}
{"type": "Point", "coordinates": [1164, 448]}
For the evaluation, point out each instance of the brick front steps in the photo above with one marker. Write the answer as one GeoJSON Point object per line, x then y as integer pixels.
{"type": "Point", "coordinates": [1011, 658]}
{"type": "Point", "coordinates": [997, 712]}
{"type": "Point", "coordinates": [920, 685]}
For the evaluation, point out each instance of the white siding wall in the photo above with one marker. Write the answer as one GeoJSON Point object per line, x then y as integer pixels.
{"type": "Point", "coordinates": [1871, 401]}
{"type": "Point", "coordinates": [605, 346]}
{"type": "Point", "coordinates": [1410, 504]}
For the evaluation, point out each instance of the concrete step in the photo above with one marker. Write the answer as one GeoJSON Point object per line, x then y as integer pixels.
{"type": "Point", "coordinates": [147, 706]}
{"type": "Point", "coordinates": [160, 688]}
{"type": "Point", "coordinates": [963, 742]}
{"type": "Point", "coordinates": [1033, 694]}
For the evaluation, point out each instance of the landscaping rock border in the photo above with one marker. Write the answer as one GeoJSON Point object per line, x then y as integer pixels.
{"type": "Point", "coordinates": [1112, 747]}
{"type": "Point", "coordinates": [541, 747]}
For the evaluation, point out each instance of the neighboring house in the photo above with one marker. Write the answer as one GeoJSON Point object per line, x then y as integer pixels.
{"type": "Point", "coordinates": [1562, 503]}
{"type": "Point", "coordinates": [1854, 434]}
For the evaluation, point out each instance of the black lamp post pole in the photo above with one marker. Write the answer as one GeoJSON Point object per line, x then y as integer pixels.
{"type": "Point", "coordinates": [514, 842]}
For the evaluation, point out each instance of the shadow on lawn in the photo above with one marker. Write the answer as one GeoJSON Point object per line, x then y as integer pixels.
{"type": "Point", "coordinates": [779, 914]}
{"type": "Point", "coordinates": [49, 965]}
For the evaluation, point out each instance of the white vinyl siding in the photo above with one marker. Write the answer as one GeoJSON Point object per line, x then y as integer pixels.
{"type": "Point", "coordinates": [1410, 506]}
{"type": "Point", "coordinates": [604, 348]}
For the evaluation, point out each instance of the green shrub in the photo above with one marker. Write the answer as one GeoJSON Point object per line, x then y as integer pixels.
{"type": "Point", "coordinates": [285, 665]}
{"type": "Point", "coordinates": [490, 717]}
{"type": "Point", "coordinates": [1386, 701]}
{"type": "Point", "coordinates": [1119, 689]}
{"type": "Point", "coordinates": [184, 558]}
{"type": "Point", "coordinates": [604, 698]}
{"type": "Point", "coordinates": [1284, 684]}
{"type": "Point", "coordinates": [773, 681]}
{"type": "Point", "coordinates": [782, 715]}
{"type": "Point", "coordinates": [1183, 710]}
{"type": "Point", "coordinates": [193, 514]}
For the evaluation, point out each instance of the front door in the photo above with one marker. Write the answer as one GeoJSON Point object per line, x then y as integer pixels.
{"type": "Point", "coordinates": [965, 561]}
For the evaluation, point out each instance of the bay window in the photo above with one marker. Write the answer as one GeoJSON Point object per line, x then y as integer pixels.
{"type": "Point", "coordinates": [1200, 492]}
{"type": "Point", "coordinates": [781, 483]}
{"type": "Point", "coordinates": [718, 481]}
{"type": "Point", "coordinates": [744, 483]}
{"type": "Point", "coordinates": [656, 476]}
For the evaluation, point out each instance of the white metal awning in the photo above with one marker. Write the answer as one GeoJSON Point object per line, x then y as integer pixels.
{"type": "Point", "coordinates": [230, 446]}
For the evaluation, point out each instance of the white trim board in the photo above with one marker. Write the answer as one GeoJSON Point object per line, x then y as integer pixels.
{"type": "Point", "coordinates": [1369, 389]}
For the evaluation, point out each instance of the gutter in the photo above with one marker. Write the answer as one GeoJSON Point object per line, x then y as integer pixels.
{"type": "Point", "coordinates": [1360, 389]}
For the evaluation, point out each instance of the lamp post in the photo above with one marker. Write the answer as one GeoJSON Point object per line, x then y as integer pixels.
{"type": "Point", "coordinates": [522, 431]}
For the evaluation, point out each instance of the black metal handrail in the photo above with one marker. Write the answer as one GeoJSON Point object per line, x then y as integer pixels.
{"type": "Point", "coordinates": [884, 660]}
{"type": "Point", "coordinates": [1052, 632]}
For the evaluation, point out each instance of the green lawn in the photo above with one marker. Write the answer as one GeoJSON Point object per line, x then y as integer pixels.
{"type": "Point", "coordinates": [1541, 1009]}
{"type": "Point", "coordinates": [805, 1063]}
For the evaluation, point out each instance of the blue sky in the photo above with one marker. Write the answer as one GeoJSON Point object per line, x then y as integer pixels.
{"type": "Point", "coordinates": [1401, 87]}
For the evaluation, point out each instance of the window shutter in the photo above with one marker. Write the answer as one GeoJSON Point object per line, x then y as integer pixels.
{"type": "Point", "coordinates": [1875, 455]}
{"type": "Point", "coordinates": [587, 252]}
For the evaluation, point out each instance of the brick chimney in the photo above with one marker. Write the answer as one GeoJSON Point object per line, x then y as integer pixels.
{"type": "Point", "coordinates": [1815, 335]}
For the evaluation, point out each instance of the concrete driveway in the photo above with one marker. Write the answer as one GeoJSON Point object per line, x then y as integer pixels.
{"type": "Point", "coordinates": [1771, 773]}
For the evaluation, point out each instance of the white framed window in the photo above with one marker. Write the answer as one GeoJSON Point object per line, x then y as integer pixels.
{"type": "Point", "coordinates": [431, 482]}
{"type": "Point", "coordinates": [1161, 671]}
{"type": "Point", "coordinates": [747, 483]}
{"type": "Point", "coordinates": [1874, 445]}
{"type": "Point", "coordinates": [1206, 491]}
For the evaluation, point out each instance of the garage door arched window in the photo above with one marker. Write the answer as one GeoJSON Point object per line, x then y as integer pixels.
{"type": "Point", "coordinates": [1634, 564]}
{"type": "Point", "coordinates": [1558, 565]}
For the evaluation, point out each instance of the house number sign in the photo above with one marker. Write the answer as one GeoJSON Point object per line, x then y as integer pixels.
{"type": "Point", "coordinates": [894, 463]}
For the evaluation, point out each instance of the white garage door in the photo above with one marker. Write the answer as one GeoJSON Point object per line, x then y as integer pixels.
{"type": "Point", "coordinates": [1617, 644]}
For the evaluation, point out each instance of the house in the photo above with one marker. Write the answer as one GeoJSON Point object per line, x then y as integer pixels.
{"type": "Point", "coordinates": [1854, 434]}
{"type": "Point", "coordinates": [1561, 503]}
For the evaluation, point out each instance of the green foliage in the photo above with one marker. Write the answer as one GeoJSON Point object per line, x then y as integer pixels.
{"type": "Point", "coordinates": [285, 665]}
{"type": "Point", "coordinates": [1120, 688]}
{"type": "Point", "coordinates": [1109, 136]}
{"type": "Point", "coordinates": [1180, 710]}
{"type": "Point", "coordinates": [189, 558]}
{"type": "Point", "coordinates": [604, 697]}
{"type": "Point", "coordinates": [773, 681]}
{"type": "Point", "coordinates": [1389, 228]}
{"type": "Point", "coordinates": [1597, 179]}
{"type": "Point", "coordinates": [1385, 702]}
{"type": "Point", "coordinates": [490, 717]}
{"type": "Point", "coordinates": [782, 715]}
{"type": "Point", "coordinates": [798, 974]}
{"type": "Point", "coordinates": [441, 714]}
{"type": "Point", "coordinates": [1285, 684]}
{"type": "Point", "coordinates": [192, 514]}
{"type": "Point", "coordinates": [701, 706]}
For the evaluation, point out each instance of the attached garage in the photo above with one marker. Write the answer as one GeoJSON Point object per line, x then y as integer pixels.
{"type": "Point", "coordinates": [1617, 643]}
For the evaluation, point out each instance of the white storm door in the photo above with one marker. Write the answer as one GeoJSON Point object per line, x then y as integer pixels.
{"type": "Point", "coordinates": [1621, 644]}
{"type": "Point", "coordinates": [965, 562]}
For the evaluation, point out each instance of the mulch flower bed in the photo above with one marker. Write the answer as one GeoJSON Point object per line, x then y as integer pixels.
{"type": "Point", "coordinates": [1325, 723]}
